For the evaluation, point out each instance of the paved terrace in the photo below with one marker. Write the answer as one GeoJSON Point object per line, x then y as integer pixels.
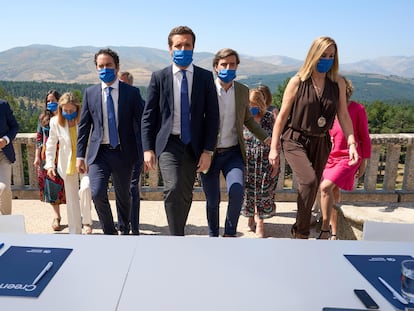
{"type": "Point", "coordinates": [38, 218]}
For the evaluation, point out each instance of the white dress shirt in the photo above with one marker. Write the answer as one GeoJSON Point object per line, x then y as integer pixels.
{"type": "Point", "coordinates": [227, 136]}
{"type": "Point", "coordinates": [115, 97]}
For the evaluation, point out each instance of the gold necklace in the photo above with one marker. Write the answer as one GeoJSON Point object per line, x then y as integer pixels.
{"type": "Point", "coordinates": [318, 90]}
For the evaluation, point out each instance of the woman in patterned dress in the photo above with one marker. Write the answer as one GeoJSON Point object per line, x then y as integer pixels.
{"type": "Point", "coordinates": [51, 190]}
{"type": "Point", "coordinates": [260, 186]}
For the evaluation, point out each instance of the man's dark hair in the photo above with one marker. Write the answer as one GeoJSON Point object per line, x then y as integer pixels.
{"type": "Point", "coordinates": [109, 52]}
{"type": "Point", "coordinates": [181, 30]}
{"type": "Point", "coordinates": [223, 53]}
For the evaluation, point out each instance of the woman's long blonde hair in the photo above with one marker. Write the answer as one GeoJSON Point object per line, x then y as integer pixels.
{"type": "Point", "coordinates": [318, 47]}
{"type": "Point", "coordinates": [68, 98]}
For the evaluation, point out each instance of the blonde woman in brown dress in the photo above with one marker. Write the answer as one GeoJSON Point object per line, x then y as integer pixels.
{"type": "Point", "coordinates": [310, 102]}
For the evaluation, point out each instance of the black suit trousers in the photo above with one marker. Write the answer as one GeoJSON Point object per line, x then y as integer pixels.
{"type": "Point", "coordinates": [178, 166]}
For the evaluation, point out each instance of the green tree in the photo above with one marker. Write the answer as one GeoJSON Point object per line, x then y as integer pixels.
{"type": "Point", "coordinates": [77, 94]}
{"type": "Point", "coordinates": [401, 119]}
{"type": "Point", "coordinates": [376, 113]}
{"type": "Point", "coordinates": [26, 118]}
{"type": "Point", "coordinates": [278, 96]}
{"type": "Point", "coordinates": [384, 118]}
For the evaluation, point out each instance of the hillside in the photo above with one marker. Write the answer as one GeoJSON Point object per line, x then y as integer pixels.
{"type": "Point", "coordinates": [387, 79]}
{"type": "Point", "coordinates": [368, 87]}
{"type": "Point", "coordinates": [75, 65]}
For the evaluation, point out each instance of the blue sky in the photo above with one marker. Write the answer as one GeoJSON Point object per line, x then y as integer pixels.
{"type": "Point", "coordinates": [363, 29]}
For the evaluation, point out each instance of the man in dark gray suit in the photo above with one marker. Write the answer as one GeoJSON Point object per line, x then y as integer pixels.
{"type": "Point", "coordinates": [180, 125]}
{"type": "Point", "coordinates": [8, 131]}
{"type": "Point", "coordinates": [110, 128]}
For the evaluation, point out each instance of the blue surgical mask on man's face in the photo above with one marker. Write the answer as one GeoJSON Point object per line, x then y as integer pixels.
{"type": "Point", "coordinates": [107, 74]}
{"type": "Point", "coordinates": [69, 116]}
{"type": "Point", "coordinates": [183, 58]}
{"type": "Point", "coordinates": [226, 75]}
{"type": "Point", "coordinates": [52, 106]}
{"type": "Point", "coordinates": [324, 65]}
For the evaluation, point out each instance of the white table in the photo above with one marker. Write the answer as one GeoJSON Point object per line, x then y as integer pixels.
{"type": "Point", "coordinates": [193, 273]}
{"type": "Point", "coordinates": [91, 278]}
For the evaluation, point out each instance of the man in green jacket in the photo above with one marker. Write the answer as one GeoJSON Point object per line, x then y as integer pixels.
{"type": "Point", "coordinates": [229, 156]}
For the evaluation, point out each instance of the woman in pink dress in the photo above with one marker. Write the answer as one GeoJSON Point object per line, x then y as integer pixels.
{"type": "Point", "coordinates": [338, 174]}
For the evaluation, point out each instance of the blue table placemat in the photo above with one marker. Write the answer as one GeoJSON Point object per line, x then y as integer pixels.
{"type": "Point", "coordinates": [387, 267]}
{"type": "Point", "coordinates": [20, 266]}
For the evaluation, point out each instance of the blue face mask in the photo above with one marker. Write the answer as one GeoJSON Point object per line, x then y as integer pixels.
{"type": "Point", "coordinates": [69, 116]}
{"type": "Point", "coordinates": [52, 106]}
{"type": "Point", "coordinates": [254, 111]}
{"type": "Point", "coordinates": [107, 74]}
{"type": "Point", "coordinates": [227, 75]}
{"type": "Point", "coordinates": [183, 58]}
{"type": "Point", "coordinates": [324, 65]}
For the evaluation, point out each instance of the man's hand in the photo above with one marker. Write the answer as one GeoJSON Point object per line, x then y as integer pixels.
{"type": "Point", "coordinates": [81, 166]}
{"type": "Point", "coordinates": [150, 161]}
{"type": "Point", "coordinates": [3, 143]}
{"type": "Point", "coordinates": [204, 163]}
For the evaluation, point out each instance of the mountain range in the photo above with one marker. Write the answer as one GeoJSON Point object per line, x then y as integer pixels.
{"type": "Point", "coordinates": [75, 64]}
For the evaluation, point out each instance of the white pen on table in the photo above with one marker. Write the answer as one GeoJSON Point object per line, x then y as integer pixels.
{"type": "Point", "coordinates": [43, 272]}
{"type": "Point", "coordinates": [393, 291]}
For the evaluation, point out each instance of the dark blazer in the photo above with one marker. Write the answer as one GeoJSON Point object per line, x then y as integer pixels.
{"type": "Point", "coordinates": [9, 128]}
{"type": "Point", "coordinates": [130, 107]}
{"type": "Point", "coordinates": [157, 120]}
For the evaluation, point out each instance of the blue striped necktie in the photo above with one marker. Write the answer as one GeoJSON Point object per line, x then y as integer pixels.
{"type": "Point", "coordinates": [185, 111]}
{"type": "Point", "coordinates": [113, 132]}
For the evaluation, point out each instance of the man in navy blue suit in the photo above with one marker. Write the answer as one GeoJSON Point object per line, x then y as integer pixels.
{"type": "Point", "coordinates": [109, 140]}
{"type": "Point", "coordinates": [8, 131]}
{"type": "Point", "coordinates": [180, 125]}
